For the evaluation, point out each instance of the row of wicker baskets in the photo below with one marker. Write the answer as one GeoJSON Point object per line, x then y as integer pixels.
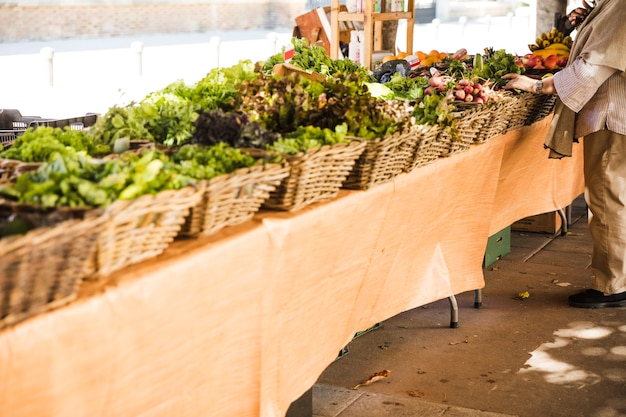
{"type": "Point", "coordinates": [43, 268]}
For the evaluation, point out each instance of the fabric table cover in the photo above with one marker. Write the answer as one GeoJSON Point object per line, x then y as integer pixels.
{"type": "Point", "coordinates": [243, 322]}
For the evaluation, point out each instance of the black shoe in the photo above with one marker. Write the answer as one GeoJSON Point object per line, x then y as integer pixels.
{"type": "Point", "coordinates": [596, 299]}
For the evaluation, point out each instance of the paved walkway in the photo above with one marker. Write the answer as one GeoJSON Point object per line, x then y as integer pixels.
{"type": "Point", "coordinates": [536, 357]}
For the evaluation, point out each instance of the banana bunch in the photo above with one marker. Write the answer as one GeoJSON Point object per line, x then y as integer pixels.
{"type": "Point", "coordinates": [551, 43]}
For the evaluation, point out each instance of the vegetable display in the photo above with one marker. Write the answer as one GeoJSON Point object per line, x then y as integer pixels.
{"type": "Point", "coordinates": [80, 181]}
{"type": "Point", "coordinates": [41, 144]}
{"type": "Point", "coordinates": [495, 64]}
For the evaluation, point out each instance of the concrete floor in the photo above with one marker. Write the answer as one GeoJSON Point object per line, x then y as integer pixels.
{"type": "Point", "coordinates": [535, 357]}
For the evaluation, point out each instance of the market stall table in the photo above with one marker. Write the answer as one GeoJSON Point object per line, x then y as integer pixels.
{"type": "Point", "coordinates": [243, 322]}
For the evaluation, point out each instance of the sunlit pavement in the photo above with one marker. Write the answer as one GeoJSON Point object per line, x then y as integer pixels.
{"type": "Point", "coordinates": [535, 357]}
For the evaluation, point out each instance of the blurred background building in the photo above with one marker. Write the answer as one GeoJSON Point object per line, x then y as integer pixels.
{"type": "Point", "coordinates": [40, 20]}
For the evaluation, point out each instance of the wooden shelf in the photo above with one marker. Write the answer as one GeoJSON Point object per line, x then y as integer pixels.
{"type": "Point", "coordinates": [372, 24]}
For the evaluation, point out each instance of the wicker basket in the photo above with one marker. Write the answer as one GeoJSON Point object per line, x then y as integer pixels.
{"type": "Point", "coordinates": [42, 269]}
{"type": "Point", "coordinates": [468, 126]}
{"type": "Point", "coordinates": [11, 168]}
{"type": "Point", "coordinates": [498, 120]}
{"type": "Point", "coordinates": [233, 198]}
{"type": "Point", "coordinates": [521, 108]}
{"type": "Point", "coordinates": [427, 148]}
{"type": "Point", "coordinates": [542, 105]}
{"type": "Point", "coordinates": [382, 160]}
{"type": "Point", "coordinates": [142, 228]}
{"type": "Point", "coordinates": [315, 175]}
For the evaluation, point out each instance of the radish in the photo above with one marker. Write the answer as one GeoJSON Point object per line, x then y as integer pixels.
{"type": "Point", "coordinates": [436, 81]}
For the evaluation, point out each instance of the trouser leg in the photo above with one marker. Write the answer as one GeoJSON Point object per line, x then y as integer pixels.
{"type": "Point", "coordinates": [605, 193]}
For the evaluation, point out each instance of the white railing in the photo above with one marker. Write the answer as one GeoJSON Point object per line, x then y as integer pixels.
{"type": "Point", "coordinates": [71, 83]}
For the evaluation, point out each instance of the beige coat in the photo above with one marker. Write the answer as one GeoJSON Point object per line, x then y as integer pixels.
{"type": "Point", "coordinates": [600, 40]}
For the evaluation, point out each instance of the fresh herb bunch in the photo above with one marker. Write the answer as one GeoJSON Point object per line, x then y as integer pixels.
{"type": "Point", "coordinates": [313, 58]}
{"type": "Point", "coordinates": [206, 162]}
{"type": "Point", "coordinates": [494, 65]}
{"type": "Point", "coordinates": [309, 137]}
{"type": "Point", "coordinates": [233, 128]}
{"type": "Point", "coordinates": [80, 181]}
{"type": "Point", "coordinates": [40, 144]}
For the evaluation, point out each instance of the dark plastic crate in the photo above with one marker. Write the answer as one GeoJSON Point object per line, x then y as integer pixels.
{"type": "Point", "coordinates": [75, 123]}
{"type": "Point", "coordinates": [7, 137]}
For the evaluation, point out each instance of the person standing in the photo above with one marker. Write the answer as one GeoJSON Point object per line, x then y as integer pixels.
{"type": "Point", "coordinates": [591, 103]}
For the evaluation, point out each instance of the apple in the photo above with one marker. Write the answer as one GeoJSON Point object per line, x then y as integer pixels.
{"type": "Point", "coordinates": [533, 61]}
{"type": "Point", "coordinates": [551, 61]}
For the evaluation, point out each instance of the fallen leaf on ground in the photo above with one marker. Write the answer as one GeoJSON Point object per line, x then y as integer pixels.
{"type": "Point", "coordinates": [374, 377]}
{"type": "Point", "coordinates": [563, 284]}
{"type": "Point", "coordinates": [418, 394]}
{"type": "Point", "coordinates": [523, 295]}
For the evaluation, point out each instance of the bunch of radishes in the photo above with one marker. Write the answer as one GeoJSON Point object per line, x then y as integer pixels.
{"type": "Point", "coordinates": [465, 90]}
{"type": "Point", "coordinates": [470, 91]}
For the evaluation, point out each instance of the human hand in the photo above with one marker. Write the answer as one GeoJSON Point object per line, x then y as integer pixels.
{"type": "Point", "coordinates": [577, 16]}
{"type": "Point", "coordinates": [519, 82]}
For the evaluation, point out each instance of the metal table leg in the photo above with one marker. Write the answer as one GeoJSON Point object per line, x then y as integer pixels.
{"type": "Point", "coordinates": [454, 312]}
{"type": "Point", "coordinates": [478, 298]}
{"type": "Point", "coordinates": [564, 221]}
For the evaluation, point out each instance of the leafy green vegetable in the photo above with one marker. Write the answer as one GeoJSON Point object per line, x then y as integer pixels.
{"type": "Point", "coordinates": [433, 109]}
{"type": "Point", "coordinates": [234, 128]}
{"type": "Point", "coordinates": [313, 58]}
{"type": "Point", "coordinates": [39, 145]}
{"type": "Point", "coordinates": [406, 88]}
{"type": "Point", "coordinates": [168, 115]}
{"type": "Point", "coordinates": [309, 137]}
{"type": "Point", "coordinates": [78, 180]}
{"type": "Point", "coordinates": [282, 104]}
{"type": "Point", "coordinates": [495, 64]}
{"type": "Point", "coordinates": [206, 162]}
{"type": "Point", "coordinates": [217, 89]}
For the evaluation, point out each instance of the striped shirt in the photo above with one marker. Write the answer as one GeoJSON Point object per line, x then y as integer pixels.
{"type": "Point", "coordinates": [596, 93]}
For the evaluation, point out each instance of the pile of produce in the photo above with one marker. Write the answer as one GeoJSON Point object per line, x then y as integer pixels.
{"type": "Point", "coordinates": [550, 51]}
{"type": "Point", "coordinates": [202, 128]}
{"type": "Point", "coordinates": [76, 180]}
{"type": "Point", "coordinates": [313, 58]}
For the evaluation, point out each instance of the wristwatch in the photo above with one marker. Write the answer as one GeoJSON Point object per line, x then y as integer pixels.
{"type": "Point", "coordinates": [538, 86]}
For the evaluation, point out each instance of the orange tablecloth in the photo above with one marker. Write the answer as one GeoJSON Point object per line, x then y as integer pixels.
{"type": "Point", "coordinates": [243, 322]}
